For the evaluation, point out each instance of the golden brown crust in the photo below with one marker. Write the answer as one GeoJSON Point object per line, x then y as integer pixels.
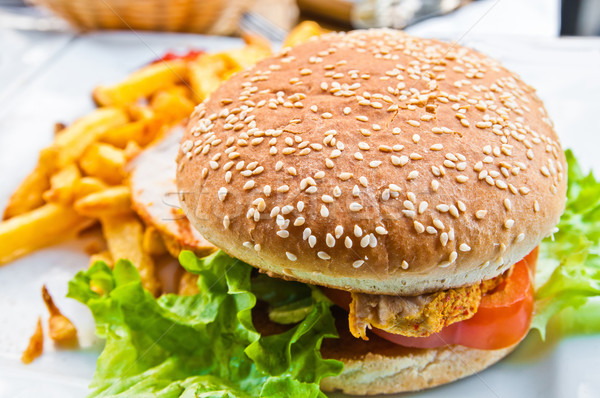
{"type": "Point", "coordinates": [374, 161]}
{"type": "Point", "coordinates": [380, 367]}
{"type": "Point", "coordinates": [416, 316]}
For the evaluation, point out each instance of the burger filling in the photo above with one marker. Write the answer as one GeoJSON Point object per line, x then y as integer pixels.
{"type": "Point", "coordinates": [416, 316]}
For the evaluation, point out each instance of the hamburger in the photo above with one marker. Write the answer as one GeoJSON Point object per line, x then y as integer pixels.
{"type": "Point", "coordinates": [409, 179]}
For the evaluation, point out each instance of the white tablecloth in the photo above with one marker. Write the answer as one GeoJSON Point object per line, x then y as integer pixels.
{"type": "Point", "coordinates": [46, 78]}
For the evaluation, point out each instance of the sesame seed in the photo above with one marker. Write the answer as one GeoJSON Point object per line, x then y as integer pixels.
{"type": "Point", "coordinates": [348, 242]}
{"type": "Point", "coordinates": [453, 257]}
{"type": "Point", "coordinates": [412, 175]}
{"type": "Point", "coordinates": [508, 224]}
{"type": "Point", "coordinates": [454, 211]}
{"type": "Point", "coordinates": [323, 256]}
{"type": "Point", "coordinates": [355, 206]}
{"type": "Point", "coordinates": [358, 263]}
{"type": "Point", "coordinates": [312, 241]}
{"type": "Point", "coordinates": [345, 176]}
{"type": "Point", "coordinates": [436, 147]}
{"type": "Point", "coordinates": [363, 181]}
{"type": "Point", "coordinates": [438, 224]}
{"type": "Point", "coordinates": [362, 118]}
{"type": "Point", "coordinates": [283, 188]}
{"type": "Point", "coordinates": [306, 233]}
{"type": "Point", "coordinates": [339, 230]}
{"type": "Point", "coordinates": [324, 211]}
{"type": "Point", "coordinates": [249, 185]}
{"type": "Point", "coordinates": [462, 178]}
{"type": "Point", "coordinates": [330, 240]}
{"type": "Point", "coordinates": [283, 233]}
{"type": "Point", "coordinates": [358, 231]}
{"type": "Point", "coordinates": [347, 111]}
{"type": "Point", "coordinates": [222, 193]}
{"type": "Point", "coordinates": [444, 238]}
{"type": "Point", "coordinates": [420, 228]}
{"type": "Point", "coordinates": [435, 185]}
{"type": "Point", "coordinates": [226, 222]}
{"type": "Point", "coordinates": [443, 208]}
{"type": "Point", "coordinates": [409, 213]}
{"type": "Point", "coordinates": [480, 214]}
{"type": "Point", "coordinates": [364, 242]}
{"type": "Point", "coordinates": [291, 256]}
{"type": "Point", "coordinates": [327, 199]}
{"type": "Point", "coordinates": [404, 264]}
{"type": "Point", "coordinates": [507, 204]}
{"type": "Point", "coordinates": [381, 230]}
{"type": "Point", "coordinates": [464, 247]}
{"type": "Point", "coordinates": [414, 123]}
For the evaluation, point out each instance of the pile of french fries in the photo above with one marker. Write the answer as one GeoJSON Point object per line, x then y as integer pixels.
{"type": "Point", "coordinates": [80, 179]}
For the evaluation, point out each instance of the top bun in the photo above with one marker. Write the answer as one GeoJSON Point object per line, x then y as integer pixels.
{"type": "Point", "coordinates": [374, 161]}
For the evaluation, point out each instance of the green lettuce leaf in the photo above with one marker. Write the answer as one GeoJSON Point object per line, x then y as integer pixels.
{"type": "Point", "coordinates": [568, 271]}
{"type": "Point", "coordinates": [204, 345]}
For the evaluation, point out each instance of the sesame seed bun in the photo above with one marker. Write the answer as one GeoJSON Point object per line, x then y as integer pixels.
{"type": "Point", "coordinates": [374, 161]}
{"type": "Point", "coordinates": [380, 367]}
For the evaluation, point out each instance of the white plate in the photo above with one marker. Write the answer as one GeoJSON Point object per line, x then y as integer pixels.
{"type": "Point", "coordinates": [564, 71]}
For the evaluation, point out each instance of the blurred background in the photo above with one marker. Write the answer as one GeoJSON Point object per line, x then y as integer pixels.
{"type": "Point", "coordinates": [273, 18]}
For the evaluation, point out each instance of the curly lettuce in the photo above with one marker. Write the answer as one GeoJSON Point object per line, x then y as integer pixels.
{"type": "Point", "coordinates": [568, 272]}
{"type": "Point", "coordinates": [204, 345]}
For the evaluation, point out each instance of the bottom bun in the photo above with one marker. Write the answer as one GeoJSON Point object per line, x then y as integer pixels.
{"type": "Point", "coordinates": [378, 366]}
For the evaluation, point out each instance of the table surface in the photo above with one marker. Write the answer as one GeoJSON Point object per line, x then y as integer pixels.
{"type": "Point", "coordinates": [46, 78]}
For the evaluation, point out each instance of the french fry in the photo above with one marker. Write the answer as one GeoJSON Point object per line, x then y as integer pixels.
{"type": "Point", "coordinates": [153, 243]}
{"type": "Point", "coordinates": [36, 344]}
{"type": "Point", "coordinates": [41, 227]}
{"type": "Point", "coordinates": [302, 32]}
{"type": "Point", "coordinates": [70, 144]}
{"type": "Point", "coordinates": [137, 131]}
{"type": "Point", "coordinates": [142, 83]}
{"type": "Point", "coordinates": [139, 112]}
{"type": "Point", "coordinates": [172, 105]}
{"type": "Point", "coordinates": [60, 328]}
{"type": "Point", "coordinates": [124, 235]}
{"type": "Point", "coordinates": [131, 150]}
{"type": "Point", "coordinates": [256, 48]}
{"type": "Point", "coordinates": [29, 195]}
{"type": "Point", "coordinates": [207, 72]}
{"type": "Point", "coordinates": [88, 185]}
{"type": "Point", "coordinates": [111, 201]}
{"type": "Point", "coordinates": [105, 162]}
{"type": "Point", "coordinates": [62, 185]}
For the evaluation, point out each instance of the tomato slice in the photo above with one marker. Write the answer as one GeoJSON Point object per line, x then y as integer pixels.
{"type": "Point", "coordinates": [502, 319]}
{"type": "Point", "coordinates": [188, 56]}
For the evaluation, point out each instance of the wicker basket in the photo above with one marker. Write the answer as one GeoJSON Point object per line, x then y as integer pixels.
{"type": "Point", "coordinates": [200, 16]}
